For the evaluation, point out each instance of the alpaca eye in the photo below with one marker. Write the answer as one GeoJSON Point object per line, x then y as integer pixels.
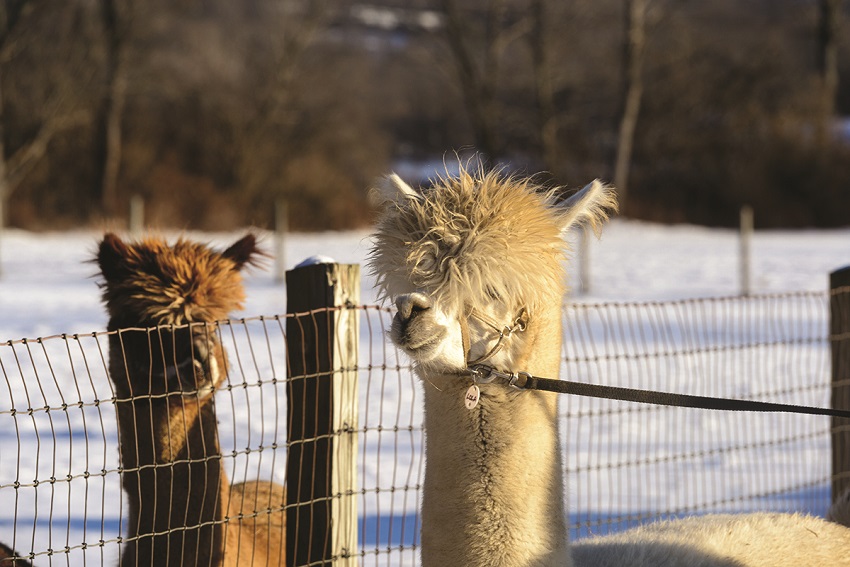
{"type": "Point", "coordinates": [492, 293]}
{"type": "Point", "coordinates": [424, 258]}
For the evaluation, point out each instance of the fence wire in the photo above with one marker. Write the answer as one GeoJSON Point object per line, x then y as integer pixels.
{"type": "Point", "coordinates": [62, 503]}
{"type": "Point", "coordinates": [627, 463]}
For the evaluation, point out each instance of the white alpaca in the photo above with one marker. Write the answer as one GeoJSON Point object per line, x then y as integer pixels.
{"type": "Point", "coordinates": [479, 254]}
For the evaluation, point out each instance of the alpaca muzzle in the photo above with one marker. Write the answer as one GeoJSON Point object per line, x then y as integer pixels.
{"type": "Point", "coordinates": [412, 304]}
{"type": "Point", "coordinates": [420, 330]}
{"type": "Point", "coordinates": [196, 365]}
{"type": "Point", "coordinates": [414, 326]}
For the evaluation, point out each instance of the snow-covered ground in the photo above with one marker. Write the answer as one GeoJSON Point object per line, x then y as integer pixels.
{"type": "Point", "coordinates": [48, 287]}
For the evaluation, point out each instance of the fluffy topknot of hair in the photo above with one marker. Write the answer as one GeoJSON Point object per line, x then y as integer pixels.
{"type": "Point", "coordinates": [149, 282]}
{"type": "Point", "coordinates": [469, 239]}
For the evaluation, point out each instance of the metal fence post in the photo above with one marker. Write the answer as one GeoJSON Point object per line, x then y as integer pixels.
{"type": "Point", "coordinates": [322, 332]}
{"type": "Point", "coordinates": [839, 334]}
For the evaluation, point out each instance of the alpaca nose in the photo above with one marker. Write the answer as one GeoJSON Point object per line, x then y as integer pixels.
{"type": "Point", "coordinates": [205, 352]}
{"type": "Point", "coordinates": [411, 304]}
{"type": "Point", "coordinates": [193, 360]}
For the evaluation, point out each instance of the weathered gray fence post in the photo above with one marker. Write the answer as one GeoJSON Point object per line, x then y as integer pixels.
{"type": "Point", "coordinates": [136, 222]}
{"type": "Point", "coordinates": [584, 283]}
{"type": "Point", "coordinates": [281, 228]}
{"type": "Point", "coordinates": [322, 331]}
{"type": "Point", "coordinates": [839, 333]}
{"type": "Point", "coordinates": [745, 238]}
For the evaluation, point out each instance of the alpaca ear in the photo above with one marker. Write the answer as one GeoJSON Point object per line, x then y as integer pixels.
{"type": "Point", "coordinates": [393, 189]}
{"type": "Point", "coordinates": [112, 253]}
{"type": "Point", "coordinates": [243, 251]}
{"type": "Point", "coordinates": [589, 207]}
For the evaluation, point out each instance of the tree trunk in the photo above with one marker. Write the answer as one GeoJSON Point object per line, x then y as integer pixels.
{"type": "Point", "coordinates": [109, 133]}
{"type": "Point", "coordinates": [828, 64]}
{"type": "Point", "coordinates": [10, 12]}
{"type": "Point", "coordinates": [544, 89]}
{"type": "Point", "coordinates": [4, 179]}
{"type": "Point", "coordinates": [478, 93]}
{"type": "Point", "coordinates": [277, 106]}
{"type": "Point", "coordinates": [633, 91]}
{"type": "Point", "coordinates": [4, 192]}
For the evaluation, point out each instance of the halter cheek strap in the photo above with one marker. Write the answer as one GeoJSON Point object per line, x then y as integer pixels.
{"type": "Point", "coordinates": [519, 324]}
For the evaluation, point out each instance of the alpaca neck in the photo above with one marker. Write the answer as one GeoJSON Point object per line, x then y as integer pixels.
{"type": "Point", "coordinates": [493, 491]}
{"type": "Point", "coordinates": [174, 480]}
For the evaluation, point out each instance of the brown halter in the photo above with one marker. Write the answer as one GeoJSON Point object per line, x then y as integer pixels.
{"type": "Point", "coordinates": [519, 324]}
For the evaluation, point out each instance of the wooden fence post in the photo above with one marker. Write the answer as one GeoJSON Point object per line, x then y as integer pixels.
{"type": "Point", "coordinates": [322, 331]}
{"type": "Point", "coordinates": [839, 333]}
{"type": "Point", "coordinates": [281, 228]}
{"type": "Point", "coordinates": [745, 238]}
{"type": "Point", "coordinates": [584, 283]}
{"type": "Point", "coordinates": [136, 222]}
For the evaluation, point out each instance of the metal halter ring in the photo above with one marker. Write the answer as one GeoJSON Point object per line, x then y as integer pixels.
{"type": "Point", "coordinates": [483, 374]}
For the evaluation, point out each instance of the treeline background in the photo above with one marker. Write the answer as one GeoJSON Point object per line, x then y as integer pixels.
{"type": "Point", "coordinates": [212, 110]}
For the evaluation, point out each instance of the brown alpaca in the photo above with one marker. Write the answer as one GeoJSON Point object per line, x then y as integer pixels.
{"type": "Point", "coordinates": [166, 362]}
{"type": "Point", "coordinates": [7, 555]}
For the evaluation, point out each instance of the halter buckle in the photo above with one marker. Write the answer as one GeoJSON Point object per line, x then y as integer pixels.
{"type": "Point", "coordinates": [519, 380]}
{"type": "Point", "coordinates": [483, 374]}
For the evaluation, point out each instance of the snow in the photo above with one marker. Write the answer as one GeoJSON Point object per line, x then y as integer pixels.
{"type": "Point", "coordinates": [49, 287]}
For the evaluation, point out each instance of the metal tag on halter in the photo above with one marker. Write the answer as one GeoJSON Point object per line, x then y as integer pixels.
{"type": "Point", "coordinates": [473, 394]}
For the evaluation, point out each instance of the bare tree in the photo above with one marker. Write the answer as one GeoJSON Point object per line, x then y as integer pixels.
{"type": "Point", "coordinates": [478, 67]}
{"type": "Point", "coordinates": [633, 57]}
{"type": "Point", "coordinates": [10, 15]}
{"type": "Point", "coordinates": [117, 22]}
{"type": "Point", "coordinates": [296, 25]}
{"type": "Point", "coordinates": [544, 90]}
{"type": "Point", "coordinates": [15, 167]}
{"type": "Point", "coordinates": [830, 12]}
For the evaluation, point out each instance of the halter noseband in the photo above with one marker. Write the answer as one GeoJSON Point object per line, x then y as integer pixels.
{"type": "Point", "coordinates": [519, 324]}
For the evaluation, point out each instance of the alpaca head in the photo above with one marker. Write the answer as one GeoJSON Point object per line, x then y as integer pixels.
{"type": "Point", "coordinates": [171, 296]}
{"type": "Point", "coordinates": [473, 257]}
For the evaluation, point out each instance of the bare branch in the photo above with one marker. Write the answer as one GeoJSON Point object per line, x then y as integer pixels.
{"type": "Point", "coordinates": [21, 163]}
{"type": "Point", "coordinates": [544, 89]}
{"type": "Point", "coordinates": [478, 86]}
{"type": "Point", "coordinates": [830, 11]}
{"type": "Point", "coordinates": [635, 30]}
{"type": "Point", "coordinates": [289, 50]}
{"type": "Point", "coordinates": [11, 14]}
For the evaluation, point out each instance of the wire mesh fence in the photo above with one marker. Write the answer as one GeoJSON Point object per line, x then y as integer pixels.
{"type": "Point", "coordinates": [630, 462]}
{"type": "Point", "coordinates": [61, 497]}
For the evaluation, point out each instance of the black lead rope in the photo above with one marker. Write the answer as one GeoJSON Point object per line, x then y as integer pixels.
{"type": "Point", "coordinates": [526, 381]}
{"type": "Point", "coordinates": [668, 399]}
